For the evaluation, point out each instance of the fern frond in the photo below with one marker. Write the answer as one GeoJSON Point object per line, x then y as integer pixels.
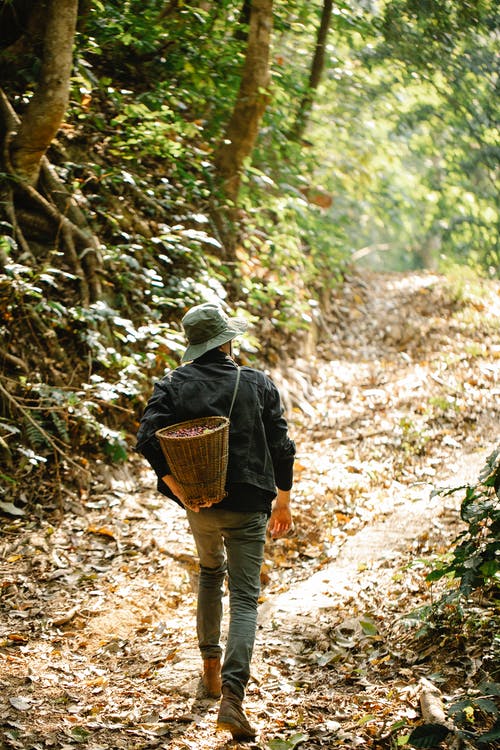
{"type": "Point", "coordinates": [35, 435]}
{"type": "Point", "coordinates": [60, 426]}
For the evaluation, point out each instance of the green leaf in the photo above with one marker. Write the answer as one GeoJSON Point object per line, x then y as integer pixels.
{"type": "Point", "coordinates": [400, 724]}
{"type": "Point", "coordinates": [365, 719]}
{"type": "Point", "coordinates": [11, 509]}
{"type": "Point", "coordinates": [428, 735]}
{"type": "Point", "coordinates": [489, 688]}
{"type": "Point", "coordinates": [80, 734]}
{"type": "Point", "coordinates": [368, 626]}
{"type": "Point", "coordinates": [490, 568]}
{"type": "Point", "coordinates": [435, 575]}
{"type": "Point", "coordinates": [491, 736]}
{"type": "Point", "coordinates": [490, 469]}
{"type": "Point", "coordinates": [403, 740]}
{"type": "Point", "coordinates": [289, 744]}
{"type": "Point", "coordinates": [486, 705]}
{"type": "Point", "coordinates": [116, 452]}
{"type": "Point", "coordinates": [7, 478]}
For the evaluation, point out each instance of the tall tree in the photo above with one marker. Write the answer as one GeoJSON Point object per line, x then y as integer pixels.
{"type": "Point", "coordinates": [317, 67]}
{"type": "Point", "coordinates": [243, 126]}
{"type": "Point", "coordinates": [34, 198]}
{"type": "Point", "coordinates": [47, 106]}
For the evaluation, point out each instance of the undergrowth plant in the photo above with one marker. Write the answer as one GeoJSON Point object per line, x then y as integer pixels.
{"type": "Point", "coordinates": [465, 717]}
{"type": "Point", "coordinates": [473, 567]}
{"type": "Point", "coordinates": [475, 559]}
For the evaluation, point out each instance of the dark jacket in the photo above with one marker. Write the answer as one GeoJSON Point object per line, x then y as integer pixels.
{"type": "Point", "coordinates": [261, 453]}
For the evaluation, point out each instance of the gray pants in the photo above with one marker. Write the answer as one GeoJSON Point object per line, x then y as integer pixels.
{"type": "Point", "coordinates": [230, 542]}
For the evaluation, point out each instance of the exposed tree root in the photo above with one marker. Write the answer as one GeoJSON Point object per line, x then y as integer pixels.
{"type": "Point", "coordinates": [79, 245]}
{"type": "Point", "coordinates": [431, 703]}
{"type": "Point", "coordinates": [13, 360]}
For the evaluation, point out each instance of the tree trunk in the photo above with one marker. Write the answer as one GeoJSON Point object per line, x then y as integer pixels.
{"type": "Point", "coordinates": [317, 67]}
{"type": "Point", "coordinates": [35, 199]}
{"type": "Point", "coordinates": [47, 107]}
{"type": "Point", "coordinates": [243, 127]}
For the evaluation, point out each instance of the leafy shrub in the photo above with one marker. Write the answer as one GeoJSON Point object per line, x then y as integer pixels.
{"type": "Point", "coordinates": [456, 619]}
{"type": "Point", "coordinates": [475, 559]}
{"type": "Point", "coordinates": [464, 717]}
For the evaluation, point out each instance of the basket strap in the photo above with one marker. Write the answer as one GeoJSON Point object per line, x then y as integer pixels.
{"type": "Point", "coordinates": [238, 374]}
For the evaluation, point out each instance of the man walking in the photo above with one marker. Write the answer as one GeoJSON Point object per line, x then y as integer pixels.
{"type": "Point", "coordinates": [229, 535]}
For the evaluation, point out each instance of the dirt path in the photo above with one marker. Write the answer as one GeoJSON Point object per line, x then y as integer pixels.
{"type": "Point", "coordinates": [97, 632]}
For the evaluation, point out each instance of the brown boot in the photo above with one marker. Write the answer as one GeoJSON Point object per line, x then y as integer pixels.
{"type": "Point", "coordinates": [232, 718]}
{"type": "Point", "coordinates": [211, 676]}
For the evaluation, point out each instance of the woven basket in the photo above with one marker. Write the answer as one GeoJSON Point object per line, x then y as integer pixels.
{"type": "Point", "coordinates": [198, 462]}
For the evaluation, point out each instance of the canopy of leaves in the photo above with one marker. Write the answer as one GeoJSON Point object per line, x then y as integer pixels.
{"type": "Point", "coordinates": [398, 159]}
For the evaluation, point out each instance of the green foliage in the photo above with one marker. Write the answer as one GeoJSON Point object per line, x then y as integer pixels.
{"type": "Point", "coordinates": [282, 231]}
{"type": "Point", "coordinates": [194, 52]}
{"type": "Point", "coordinates": [428, 735]}
{"type": "Point", "coordinates": [463, 714]}
{"type": "Point", "coordinates": [450, 48]}
{"type": "Point", "coordinates": [114, 360]}
{"type": "Point", "coordinates": [294, 741]}
{"type": "Point", "coordinates": [414, 438]}
{"type": "Point", "coordinates": [475, 559]}
{"type": "Point", "coordinates": [467, 613]}
{"type": "Point", "coordinates": [131, 25]}
{"type": "Point", "coordinates": [464, 284]}
{"type": "Point", "coordinates": [402, 134]}
{"type": "Point", "coordinates": [398, 162]}
{"type": "Point", "coordinates": [140, 131]}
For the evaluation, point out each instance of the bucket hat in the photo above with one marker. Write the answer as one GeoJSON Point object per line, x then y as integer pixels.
{"type": "Point", "coordinates": [207, 326]}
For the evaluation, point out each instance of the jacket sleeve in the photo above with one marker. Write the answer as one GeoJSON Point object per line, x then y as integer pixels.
{"type": "Point", "coordinates": [158, 413]}
{"type": "Point", "coordinates": [281, 447]}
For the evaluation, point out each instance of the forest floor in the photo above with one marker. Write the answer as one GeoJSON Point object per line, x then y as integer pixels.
{"type": "Point", "coordinates": [97, 638]}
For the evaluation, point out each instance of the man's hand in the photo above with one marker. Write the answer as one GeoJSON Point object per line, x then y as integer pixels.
{"type": "Point", "coordinates": [281, 522]}
{"type": "Point", "coordinates": [174, 485]}
{"type": "Point", "coordinates": [176, 488]}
